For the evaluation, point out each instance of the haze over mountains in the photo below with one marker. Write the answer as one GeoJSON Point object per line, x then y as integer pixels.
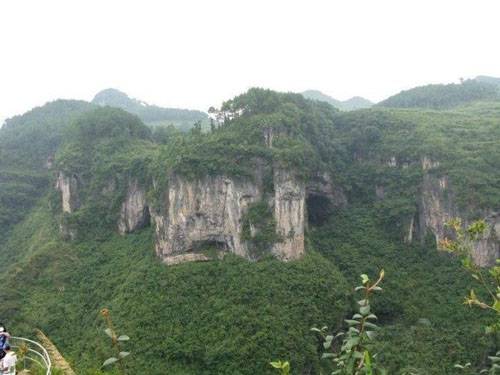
{"type": "Point", "coordinates": [353, 103]}
{"type": "Point", "coordinates": [149, 114]}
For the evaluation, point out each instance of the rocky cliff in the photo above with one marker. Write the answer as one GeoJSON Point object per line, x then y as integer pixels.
{"type": "Point", "coordinates": [208, 212]}
{"type": "Point", "coordinates": [68, 187]}
{"type": "Point", "coordinates": [134, 212]}
{"type": "Point", "coordinates": [437, 206]}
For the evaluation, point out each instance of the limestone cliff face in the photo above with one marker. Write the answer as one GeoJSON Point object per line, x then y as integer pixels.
{"type": "Point", "coordinates": [436, 203]}
{"type": "Point", "coordinates": [289, 213]}
{"type": "Point", "coordinates": [487, 249]}
{"type": "Point", "coordinates": [70, 201]}
{"type": "Point", "coordinates": [68, 187]}
{"type": "Point", "coordinates": [134, 212]}
{"type": "Point", "coordinates": [195, 214]}
{"type": "Point", "coordinates": [203, 211]}
{"type": "Point", "coordinates": [210, 211]}
{"type": "Point", "coordinates": [437, 206]}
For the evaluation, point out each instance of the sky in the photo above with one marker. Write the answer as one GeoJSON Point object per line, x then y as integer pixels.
{"type": "Point", "coordinates": [195, 54]}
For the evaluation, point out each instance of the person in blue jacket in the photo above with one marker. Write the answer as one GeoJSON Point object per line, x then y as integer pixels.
{"type": "Point", "coordinates": [4, 339]}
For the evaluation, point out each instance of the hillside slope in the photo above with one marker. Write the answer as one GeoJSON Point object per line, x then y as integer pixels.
{"type": "Point", "coordinates": [440, 96]}
{"type": "Point", "coordinates": [150, 114]}
{"type": "Point", "coordinates": [368, 177]}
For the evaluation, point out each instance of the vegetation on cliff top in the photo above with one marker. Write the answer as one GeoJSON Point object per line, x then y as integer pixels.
{"type": "Point", "coordinates": [231, 316]}
{"type": "Point", "coordinates": [151, 114]}
{"type": "Point", "coordinates": [441, 96]}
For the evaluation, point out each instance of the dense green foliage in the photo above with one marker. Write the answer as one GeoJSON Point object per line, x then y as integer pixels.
{"type": "Point", "coordinates": [225, 317]}
{"type": "Point", "coordinates": [443, 96]}
{"type": "Point", "coordinates": [425, 326]}
{"type": "Point", "coordinates": [27, 144]}
{"type": "Point", "coordinates": [150, 114]}
{"type": "Point", "coordinates": [385, 148]}
{"type": "Point", "coordinates": [106, 150]}
{"type": "Point", "coordinates": [259, 229]}
{"type": "Point", "coordinates": [232, 316]}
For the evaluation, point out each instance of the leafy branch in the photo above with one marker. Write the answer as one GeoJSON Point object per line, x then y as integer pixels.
{"type": "Point", "coordinates": [353, 357]}
{"type": "Point", "coordinates": [116, 341]}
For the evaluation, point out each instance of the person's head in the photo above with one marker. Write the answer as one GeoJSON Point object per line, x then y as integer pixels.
{"type": "Point", "coordinates": [2, 328]}
{"type": "Point", "coordinates": [6, 347]}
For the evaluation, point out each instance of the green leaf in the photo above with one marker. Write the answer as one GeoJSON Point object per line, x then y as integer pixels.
{"type": "Point", "coordinates": [364, 310]}
{"type": "Point", "coordinates": [352, 322]}
{"type": "Point", "coordinates": [124, 354]}
{"type": "Point", "coordinates": [364, 278]}
{"type": "Point", "coordinates": [328, 341]}
{"type": "Point", "coordinates": [371, 325]}
{"type": "Point", "coordinates": [123, 338]}
{"type": "Point", "coordinates": [275, 364]}
{"type": "Point", "coordinates": [352, 342]}
{"type": "Point", "coordinates": [368, 363]}
{"type": "Point", "coordinates": [109, 361]}
{"type": "Point", "coordinates": [496, 306]}
{"type": "Point", "coordinates": [109, 332]}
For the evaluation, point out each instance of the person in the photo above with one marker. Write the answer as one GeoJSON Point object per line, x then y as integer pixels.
{"type": "Point", "coordinates": [8, 363]}
{"type": "Point", "coordinates": [4, 339]}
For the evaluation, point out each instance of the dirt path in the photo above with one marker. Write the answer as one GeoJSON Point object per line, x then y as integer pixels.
{"type": "Point", "coordinates": [56, 357]}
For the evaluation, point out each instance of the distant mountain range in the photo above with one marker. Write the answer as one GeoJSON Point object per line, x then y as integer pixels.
{"type": "Point", "coordinates": [150, 114]}
{"type": "Point", "coordinates": [356, 102]}
{"type": "Point", "coordinates": [445, 96]}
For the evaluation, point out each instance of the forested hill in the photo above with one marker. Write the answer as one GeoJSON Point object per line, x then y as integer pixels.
{"type": "Point", "coordinates": [441, 96]}
{"type": "Point", "coordinates": [351, 104]}
{"type": "Point", "coordinates": [150, 114]}
{"type": "Point", "coordinates": [374, 187]}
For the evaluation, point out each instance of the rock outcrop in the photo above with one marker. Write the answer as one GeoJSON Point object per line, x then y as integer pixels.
{"type": "Point", "coordinates": [209, 212]}
{"type": "Point", "coordinates": [289, 213]}
{"type": "Point", "coordinates": [487, 248]}
{"type": "Point", "coordinates": [202, 212]}
{"type": "Point", "coordinates": [68, 187]}
{"type": "Point", "coordinates": [437, 206]}
{"type": "Point", "coordinates": [134, 212]}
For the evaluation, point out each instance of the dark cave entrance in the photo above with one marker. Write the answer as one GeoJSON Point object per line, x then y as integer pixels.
{"type": "Point", "coordinates": [210, 244]}
{"type": "Point", "coordinates": [319, 209]}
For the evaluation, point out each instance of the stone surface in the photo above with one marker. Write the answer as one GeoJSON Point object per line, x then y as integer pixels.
{"type": "Point", "coordinates": [134, 213]}
{"type": "Point", "coordinates": [437, 206]}
{"type": "Point", "coordinates": [487, 249]}
{"type": "Point", "coordinates": [183, 258]}
{"type": "Point", "coordinates": [206, 211]}
{"type": "Point", "coordinates": [68, 187]}
{"type": "Point", "coordinates": [289, 213]}
{"type": "Point", "coordinates": [322, 185]}
{"type": "Point", "coordinates": [209, 212]}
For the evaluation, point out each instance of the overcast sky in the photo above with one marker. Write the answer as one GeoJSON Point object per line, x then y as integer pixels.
{"type": "Point", "coordinates": [196, 54]}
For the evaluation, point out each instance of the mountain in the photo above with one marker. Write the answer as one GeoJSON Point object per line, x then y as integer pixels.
{"type": "Point", "coordinates": [216, 252]}
{"type": "Point", "coordinates": [487, 79]}
{"type": "Point", "coordinates": [150, 114]}
{"type": "Point", "coordinates": [28, 145]}
{"type": "Point", "coordinates": [351, 104]}
{"type": "Point", "coordinates": [442, 96]}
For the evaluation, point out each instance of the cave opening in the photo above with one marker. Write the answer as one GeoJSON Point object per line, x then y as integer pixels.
{"type": "Point", "coordinates": [209, 244]}
{"type": "Point", "coordinates": [319, 209]}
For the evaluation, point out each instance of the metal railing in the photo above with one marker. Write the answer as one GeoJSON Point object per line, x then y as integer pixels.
{"type": "Point", "coordinates": [35, 352]}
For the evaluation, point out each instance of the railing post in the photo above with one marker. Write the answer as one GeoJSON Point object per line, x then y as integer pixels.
{"type": "Point", "coordinates": [40, 352]}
